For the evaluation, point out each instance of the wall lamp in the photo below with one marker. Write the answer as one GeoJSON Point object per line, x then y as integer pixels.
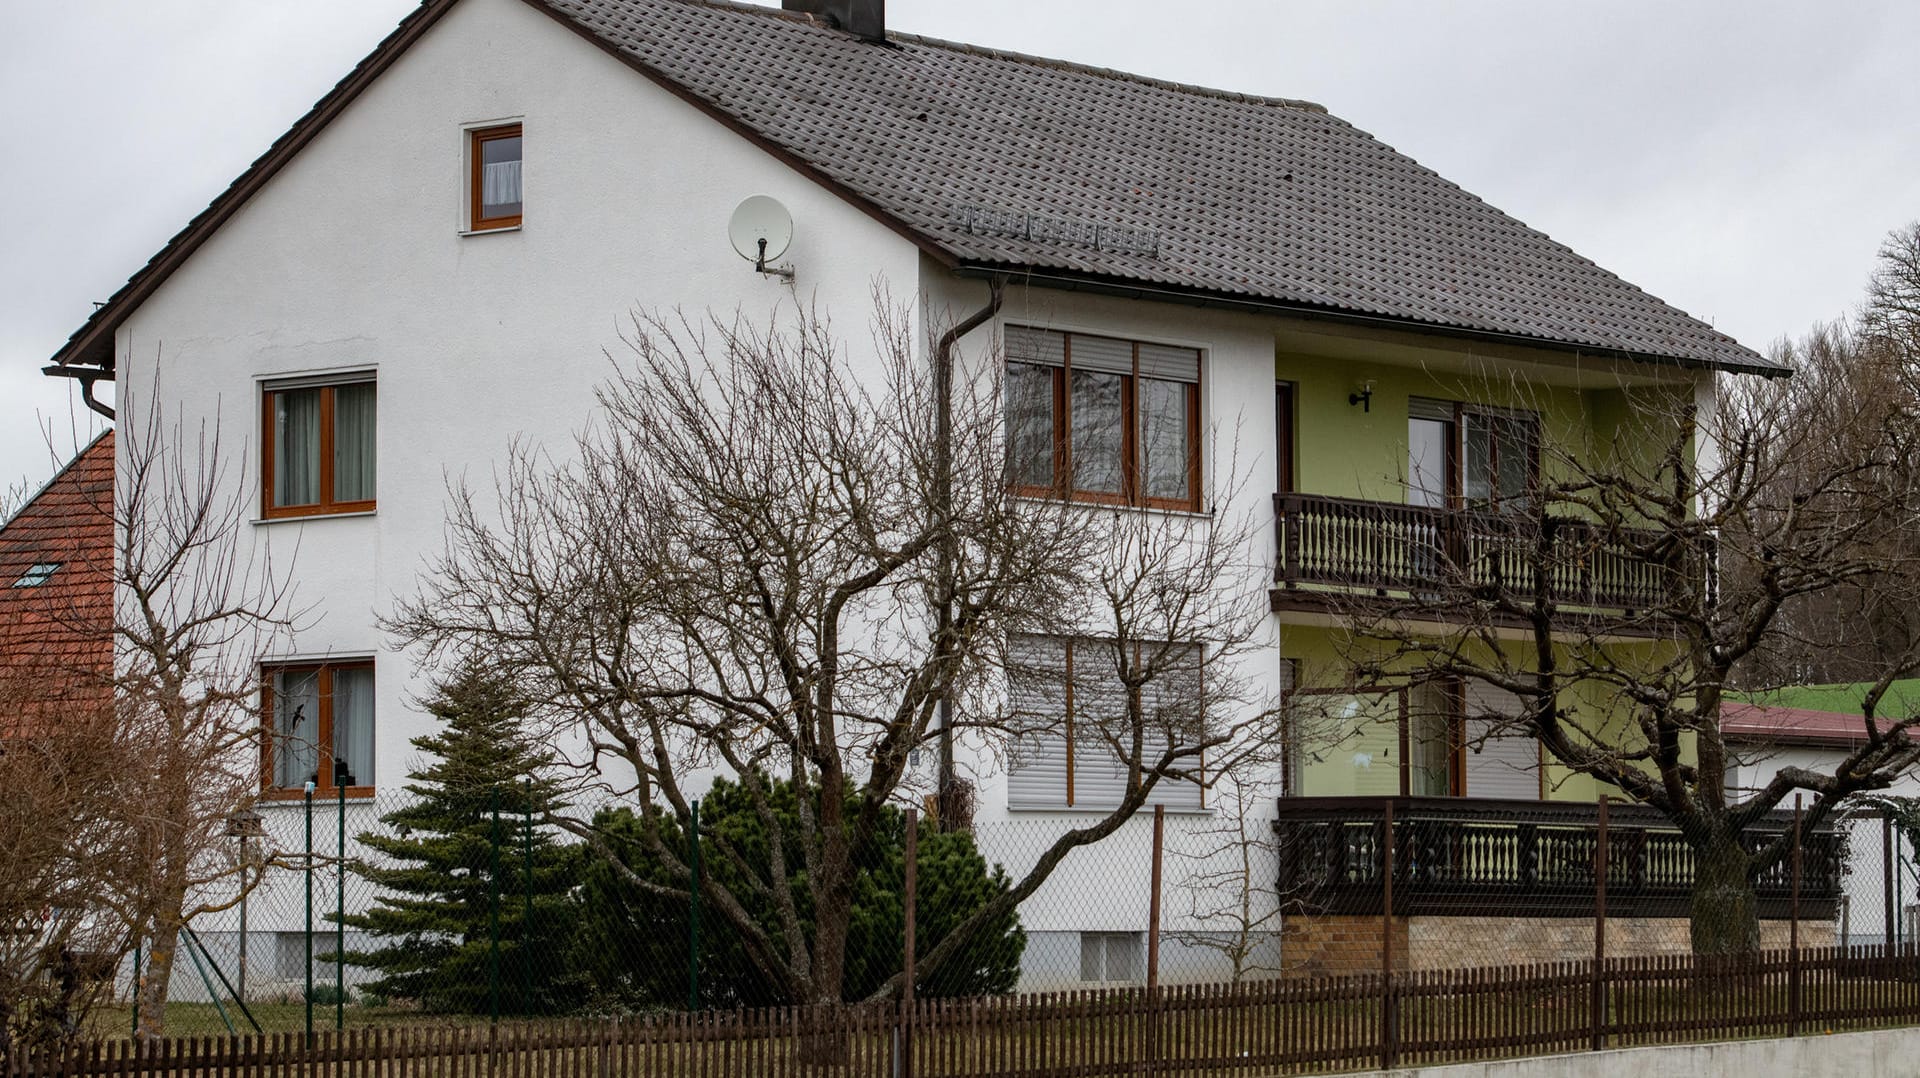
{"type": "Point", "coordinates": [1363, 397]}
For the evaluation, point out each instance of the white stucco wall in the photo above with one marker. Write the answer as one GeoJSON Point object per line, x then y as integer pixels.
{"type": "Point", "coordinates": [352, 257]}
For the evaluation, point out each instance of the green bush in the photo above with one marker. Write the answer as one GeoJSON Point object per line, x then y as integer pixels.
{"type": "Point", "coordinates": [634, 944]}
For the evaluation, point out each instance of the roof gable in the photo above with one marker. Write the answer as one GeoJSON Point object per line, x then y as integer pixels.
{"type": "Point", "coordinates": [996, 161]}
{"type": "Point", "coordinates": [56, 584]}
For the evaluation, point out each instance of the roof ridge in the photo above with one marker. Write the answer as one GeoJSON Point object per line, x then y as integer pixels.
{"type": "Point", "coordinates": [72, 463]}
{"type": "Point", "coordinates": [1105, 72]}
{"type": "Point", "coordinates": [1030, 58]}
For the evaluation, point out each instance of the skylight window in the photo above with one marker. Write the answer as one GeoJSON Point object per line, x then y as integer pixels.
{"type": "Point", "coordinates": [37, 574]}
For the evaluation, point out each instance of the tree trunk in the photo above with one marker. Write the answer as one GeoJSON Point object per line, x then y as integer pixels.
{"type": "Point", "coordinates": [827, 1045]}
{"type": "Point", "coordinates": [156, 976]}
{"type": "Point", "coordinates": [1724, 918]}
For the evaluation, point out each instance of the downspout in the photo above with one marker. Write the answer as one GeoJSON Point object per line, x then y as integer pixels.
{"type": "Point", "coordinates": [946, 793]}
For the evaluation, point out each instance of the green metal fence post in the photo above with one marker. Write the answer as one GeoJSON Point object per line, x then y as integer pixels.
{"type": "Point", "coordinates": [308, 797]}
{"type": "Point", "coordinates": [493, 887]}
{"type": "Point", "coordinates": [526, 917]}
{"type": "Point", "coordinates": [135, 1030]}
{"type": "Point", "coordinates": [693, 917]}
{"type": "Point", "coordinates": [340, 915]}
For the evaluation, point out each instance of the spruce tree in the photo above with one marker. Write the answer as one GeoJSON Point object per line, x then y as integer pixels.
{"type": "Point", "coordinates": [441, 861]}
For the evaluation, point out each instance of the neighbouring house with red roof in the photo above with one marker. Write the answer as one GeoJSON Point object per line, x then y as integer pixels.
{"type": "Point", "coordinates": [1815, 727]}
{"type": "Point", "coordinates": [56, 596]}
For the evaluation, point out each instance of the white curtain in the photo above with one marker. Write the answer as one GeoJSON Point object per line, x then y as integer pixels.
{"type": "Point", "coordinates": [1098, 431]}
{"type": "Point", "coordinates": [353, 725]}
{"type": "Point", "coordinates": [353, 442]}
{"type": "Point", "coordinates": [500, 186]}
{"type": "Point", "coordinates": [1164, 439]}
{"type": "Point", "coordinates": [296, 726]}
{"type": "Point", "coordinates": [296, 447]}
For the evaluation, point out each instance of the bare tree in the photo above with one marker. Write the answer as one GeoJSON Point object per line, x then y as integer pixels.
{"type": "Point", "coordinates": [1890, 318]}
{"type": "Point", "coordinates": [1779, 501]}
{"type": "Point", "coordinates": [59, 826]}
{"type": "Point", "coordinates": [1229, 872]}
{"type": "Point", "coordinates": [740, 569]}
{"type": "Point", "coordinates": [196, 604]}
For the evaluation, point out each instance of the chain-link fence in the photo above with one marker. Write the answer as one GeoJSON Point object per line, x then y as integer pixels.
{"type": "Point", "coordinates": [482, 909]}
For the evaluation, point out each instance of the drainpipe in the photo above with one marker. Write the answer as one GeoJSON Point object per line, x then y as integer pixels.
{"type": "Point", "coordinates": [943, 493]}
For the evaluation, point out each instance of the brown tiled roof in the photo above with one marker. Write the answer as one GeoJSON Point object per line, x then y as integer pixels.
{"type": "Point", "coordinates": [56, 633]}
{"type": "Point", "coordinates": [1133, 184]}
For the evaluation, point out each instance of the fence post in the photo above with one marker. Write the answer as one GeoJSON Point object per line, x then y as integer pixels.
{"type": "Point", "coordinates": [911, 897]}
{"type": "Point", "coordinates": [1389, 1018]}
{"type": "Point", "coordinates": [1153, 900]}
{"type": "Point", "coordinates": [693, 912]}
{"type": "Point", "coordinates": [1886, 870]}
{"type": "Point", "coordinates": [1153, 943]}
{"type": "Point", "coordinates": [1600, 862]}
{"type": "Point", "coordinates": [308, 796]}
{"type": "Point", "coordinates": [493, 913]}
{"type": "Point", "coordinates": [134, 1030]}
{"type": "Point", "coordinates": [340, 911]}
{"type": "Point", "coordinates": [526, 915]}
{"type": "Point", "coordinates": [1793, 931]}
{"type": "Point", "coordinates": [909, 900]}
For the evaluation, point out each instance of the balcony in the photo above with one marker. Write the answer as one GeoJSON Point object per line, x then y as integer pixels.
{"type": "Point", "coordinates": [1339, 553]}
{"type": "Point", "coordinates": [1468, 857]}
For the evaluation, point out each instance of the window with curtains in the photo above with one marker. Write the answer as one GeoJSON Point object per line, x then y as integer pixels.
{"type": "Point", "coordinates": [318, 720]}
{"type": "Point", "coordinates": [1102, 419]}
{"type": "Point", "coordinates": [1500, 458]}
{"type": "Point", "coordinates": [494, 196]}
{"type": "Point", "coordinates": [318, 447]}
{"type": "Point", "coordinates": [1073, 716]}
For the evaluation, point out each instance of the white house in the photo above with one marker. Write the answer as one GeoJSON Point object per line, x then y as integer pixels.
{"type": "Point", "coordinates": [428, 265]}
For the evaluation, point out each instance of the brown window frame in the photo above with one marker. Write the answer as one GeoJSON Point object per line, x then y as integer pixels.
{"type": "Point", "coordinates": [323, 736]}
{"type": "Point", "coordinates": [1071, 646]}
{"type": "Point", "coordinates": [1132, 492]}
{"type": "Point", "coordinates": [475, 138]}
{"type": "Point", "coordinates": [326, 506]}
{"type": "Point", "coordinates": [1493, 417]}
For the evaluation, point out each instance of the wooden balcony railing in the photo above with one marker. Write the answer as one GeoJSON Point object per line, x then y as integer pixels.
{"type": "Point", "coordinates": [1384, 547]}
{"type": "Point", "coordinates": [1466, 857]}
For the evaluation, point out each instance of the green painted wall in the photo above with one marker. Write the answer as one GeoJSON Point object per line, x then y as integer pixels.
{"type": "Point", "coordinates": [1344, 451]}
{"type": "Point", "coordinates": [1358, 752]}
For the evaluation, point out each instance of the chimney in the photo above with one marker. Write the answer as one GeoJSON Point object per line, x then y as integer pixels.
{"type": "Point", "coordinates": [861, 18]}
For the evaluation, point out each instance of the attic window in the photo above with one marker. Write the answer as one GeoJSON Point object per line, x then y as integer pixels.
{"type": "Point", "coordinates": [37, 574]}
{"type": "Point", "coordinates": [494, 196]}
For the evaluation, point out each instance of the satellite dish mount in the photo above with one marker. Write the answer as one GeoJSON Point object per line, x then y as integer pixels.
{"type": "Point", "coordinates": [761, 231]}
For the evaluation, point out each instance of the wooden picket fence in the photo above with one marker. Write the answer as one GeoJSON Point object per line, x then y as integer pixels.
{"type": "Point", "coordinates": [1260, 1028]}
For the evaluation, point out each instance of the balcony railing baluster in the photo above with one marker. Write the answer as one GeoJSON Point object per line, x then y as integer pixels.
{"type": "Point", "coordinates": [1384, 547]}
{"type": "Point", "coordinates": [1485, 857]}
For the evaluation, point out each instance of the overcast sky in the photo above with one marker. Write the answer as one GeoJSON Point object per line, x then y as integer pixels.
{"type": "Point", "coordinates": [1740, 159]}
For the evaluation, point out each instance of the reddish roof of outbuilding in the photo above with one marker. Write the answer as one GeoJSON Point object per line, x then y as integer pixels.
{"type": "Point", "coordinates": [56, 591]}
{"type": "Point", "coordinates": [1767, 722]}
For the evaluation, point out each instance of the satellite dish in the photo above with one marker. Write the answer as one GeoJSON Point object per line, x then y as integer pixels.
{"type": "Point", "coordinates": [761, 229]}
